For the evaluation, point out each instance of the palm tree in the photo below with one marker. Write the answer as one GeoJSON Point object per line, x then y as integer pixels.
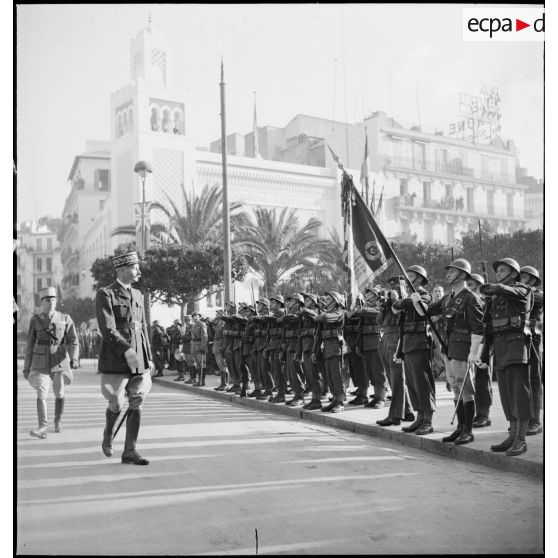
{"type": "Point", "coordinates": [276, 247]}
{"type": "Point", "coordinates": [197, 222]}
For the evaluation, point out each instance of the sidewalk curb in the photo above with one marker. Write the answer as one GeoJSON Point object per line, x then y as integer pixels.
{"type": "Point", "coordinates": [461, 453]}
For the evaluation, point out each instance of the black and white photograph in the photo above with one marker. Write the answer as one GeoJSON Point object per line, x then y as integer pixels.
{"type": "Point", "coordinates": [278, 279]}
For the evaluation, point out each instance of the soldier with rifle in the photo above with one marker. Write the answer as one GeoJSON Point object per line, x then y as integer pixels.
{"type": "Point", "coordinates": [308, 322]}
{"type": "Point", "coordinates": [273, 347]}
{"type": "Point", "coordinates": [260, 342]}
{"type": "Point", "coordinates": [510, 307]}
{"type": "Point", "coordinates": [415, 345]}
{"type": "Point", "coordinates": [460, 314]}
{"type": "Point", "coordinates": [228, 338]}
{"type": "Point", "coordinates": [199, 347]}
{"type": "Point", "coordinates": [219, 326]}
{"type": "Point", "coordinates": [530, 277]}
{"type": "Point", "coordinates": [159, 342]}
{"type": "Point", "coordinates": [238, 327]}
{"type": "Point", "coordinates": [351, 333]}
{"type": "Point", "coordinates": [330, 334]}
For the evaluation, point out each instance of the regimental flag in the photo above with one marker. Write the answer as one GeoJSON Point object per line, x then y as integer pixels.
{"type": "Point", "coordinates": [143, 210]}
{"type": "Point", "coordinates": [364, 169]}
{"type": "Point", "coordinates": [348, 246]}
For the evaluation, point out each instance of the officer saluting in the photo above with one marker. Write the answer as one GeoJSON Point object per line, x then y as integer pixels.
{"type": "Point", "coordinates": [125, 359]}
{"type": "Point", "coordinates": [52, 349]}
{"type": "Point", "coordinates": [509, 315]}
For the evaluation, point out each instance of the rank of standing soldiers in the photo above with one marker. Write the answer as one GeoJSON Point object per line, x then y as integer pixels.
{"type": "Point", "coordinates": [305, 350]}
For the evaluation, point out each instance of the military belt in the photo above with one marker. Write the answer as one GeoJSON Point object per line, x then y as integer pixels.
{"type": "Point", "coordinates": [410, 327]}
{"type": "Point", "coordinates": [50, 342]}
{"type": "Point", "coordinates": [371, 329]}
{"type": "Point", "coordinates": [274, 331]}
{"type": "Point", "coordinates": [308, 332]}
{"type": "Point", "coordinates": [290, 333]}
{"type": "Point", "coordinates": [351, 329]}
{"type": "Point", "coordinates": [326, 334]}
{"type": "Point", "coordinates": [509, 322]}
{"type": "Point", "coordinates": [391, 329]}
{"type": "Point", "coordinates": [248, 339]}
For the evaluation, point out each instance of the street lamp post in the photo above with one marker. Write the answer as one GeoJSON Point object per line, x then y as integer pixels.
{"type": "Point", "coordinates": [143, 168]}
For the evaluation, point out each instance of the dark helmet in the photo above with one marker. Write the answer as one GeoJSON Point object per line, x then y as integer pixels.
{"type": "Point", "coordinates": [312, 297]}
{"type": "Point", "coordinates": [263, 302]}
{"type": "Point", "coordinates": [296, 296]}
{"type": "Point", "coordinates": [510, 262]}
{"type": "Point", "coordinates": [462, 264]}
{"type": "Point", "coordinates": [339, 299]}
{"type": "Point", "coordinates": [371, 291]}
{"type": "Point", "coordinates": [419, 270]}
{"type": "Point", "coordinates": [231, 304]}
{"type": "Point", "coordinates": [196, 313]}
{"type": "Point", "coordinates": [478, 278]}
{"type": "Point", "coordinates": [533, 272]}
{"type": "Point", "coordinates": [278, 298]}
{"type": "Point", "coordinates": [250, 308]}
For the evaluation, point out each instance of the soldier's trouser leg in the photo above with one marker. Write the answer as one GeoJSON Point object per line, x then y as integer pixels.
{"type": "Point", "coordinates": [231, 365]}
{"type": "Point", "coordinates": [41, 384]}
{"type": "Point", "coordinates": [240, 366]}
{"type": "Point", "coordinates": [255, 373]}
{"type": "Point", "coordinates": [375, 371]}
{"type": "Point", "coordinates": [456, 371]}
{"type": "Point", "coordinates": [400, 403]}
{"type": "Point", "coordinates": [420, 381]}
{"type": "Point", "coordinates": [116, 387]}
{"type": "Point", "coordinates": [296, 374]}
{"type": "Point", "coordinates": [265, 372]}
{"type": "Point", "coordinates": [313, 376]}
{"type": "Point", "coordinates": [483, 391]}
{"type": "Point", "coordinates": [536, 385]}
{"type": "Point", "coordinates": [278, 376]}
{"type": "Point", "coordinates": [335, 378]}
{"type": "Point", "coordinates": [358, 373]}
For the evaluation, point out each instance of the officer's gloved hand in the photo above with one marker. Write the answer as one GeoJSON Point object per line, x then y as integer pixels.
{"type": "Point", "coordinates": [132, 359]}
{"type": "Point", "coordinates": [74, 364]}
{"type": "Point", "coordinates": [26, 374]}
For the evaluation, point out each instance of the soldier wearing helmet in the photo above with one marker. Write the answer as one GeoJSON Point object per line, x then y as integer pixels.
{"type": "Point", "coordinates": [388, 319]}
{"type": "Point", "coordinates": [355, 365]}
{"type": "Point", "coordinates": [330, 334]}
{"type": "Point", "coordinates": [198, 334]}
{"type": "Point", "coordinates": [291, 326]}
{"type": "Point", "coordinates": [511, 303]}
{"type": "Point", "coordinates": [414, 347]}
{"type": "Point", "coordinates": [273, 347]}
{"type": "Point", "coordinates": [229, 334]}
{"type": "Point", "coordinates": [312, 370]}
{"type": "Point", "coordinates": [460, 317]}
{"type": "Point", "coordinates": [260, 341]}
{"type": "Point", "coordinates": [475, 281]}
{"type": "Point", "coordinates": [244, 361]}
{"type": "Point", "coordinates": [219, 326]}
{"type": "Point", "coordinates": [530, 277]}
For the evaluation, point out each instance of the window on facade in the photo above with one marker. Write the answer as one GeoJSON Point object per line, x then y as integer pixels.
{"type": "Point", "coordinates": [449, 190]}
{"type": "Point", "coordinates": [490, 201]}
{"type": "Point", "coordinates": [420, 155]}
{"type": "Point", "coordinates": [209, 299]}
{"type": "Point", "coordinates": [403, 186]}
{"type": "Point", "coordinates": [470, 200]}
{"type": "Point", "coordinates": [451, 233]}
{"type": "Point", "coordinates": [49, 243]}
{"type": "Point", "coordinates": [509, 204]}
{"type": "Point", "coordinates": [219, 298]}
{"type": "Point", "coordinates": [39, 243]}
{"type": "Point", "coordinates": [49, 281]}
{"type": "Point", "coordinates": [39, 264]}
{"type": "Point", "coordinates": [37, 300]}
{"type": "Point", "coordinates": [426, 192]}
{"type": "Point", "coordinates": [39, 284]}
{"type": "Point", "coordinates": [49, 265]}
{"type": "Point", "coordinates": [428, 231]}
{"type": "Point", "coordinates": [102, 179]}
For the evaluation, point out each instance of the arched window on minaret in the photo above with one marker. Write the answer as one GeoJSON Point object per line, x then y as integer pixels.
{"type": "Point", "coordinates": [125, 122]}
{"type": "Point", "coordinates": [120, 130]}
{"type": "Point", "coordinates": [178, 126]}
{"type": "Point", "coordinates": [167, 121]}
{"type": "Point", "coordinates": [130, 120]}
{"type": "Point", "coordinates": [154, 119]}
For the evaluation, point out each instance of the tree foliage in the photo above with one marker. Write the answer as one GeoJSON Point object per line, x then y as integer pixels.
{"type": "Point", "coordinates": [80, 309]}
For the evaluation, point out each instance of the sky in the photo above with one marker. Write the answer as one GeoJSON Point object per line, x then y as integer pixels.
{"type": "Point", "coordinates": [331, 61]}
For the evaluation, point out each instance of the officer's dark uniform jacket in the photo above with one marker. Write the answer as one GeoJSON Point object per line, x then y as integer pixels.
{"type": "Point", "coordinates": [51, 343]}
{"type": "Point", "coordinates": [275, 331]}
{"type": "Point", "coordinates": [330, 333]}
{"type": "Point", "coordinates": [460, 317]}
{"type": "Point", "coordinates": [237, 331]}
{"type": "Point", "coordinates": [248, 335]}
{"type": "Point", "coordinates": [536, 315]}
{"type": "Point", "coordinates": [413, 328]}
{"type": "Point", "coordinates": [159, 339]}
{"type": "Point", "coordinates": [351, 332]}
{"type": "Point", "coordinates": [509, 319]}
{"type": "Point", "coordinates": [121, 320]}
{"type": "Point", "coordinates": [369, 330]}
{"type": "Point", "coordinates": [309, 322]}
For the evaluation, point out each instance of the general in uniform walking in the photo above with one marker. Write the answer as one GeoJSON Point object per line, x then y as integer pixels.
{"type": "Point", "coordinates": [125, 359]}
{"type": "Point", "coordinates": [52, 352]}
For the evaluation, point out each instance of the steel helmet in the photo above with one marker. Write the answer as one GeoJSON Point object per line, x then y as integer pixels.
{"type": "Point", "coordinates": [478, 278]}
{"type": "Point", "coordinates": [296, 296]}
{"type": "Point", "coordinates": [250, 308]}
{"type": "Point", "coordinates": [419, 270]}
{"type": "Point", "coordinates": [510, 262]}
{"type": "Point", "coordinates": [263, 302]}
{"type": "Point", "coordinates": [278, 298]}
{"type": "Point", "coordinates": [462, 264]}
{"type": "Point", "coordinates": [339, 299]}
{"type": "Point", "coordinates": [371, 290]}
{"type": "Point", "coordinates": [312, 297]}
{"type": "Point", "coordinates": [533, 272]}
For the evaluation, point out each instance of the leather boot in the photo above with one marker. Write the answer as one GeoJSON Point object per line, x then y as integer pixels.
{"type": "Point", "coordinates": [41, 431]}
{"type": "Point", "coordinates": [58, 412]}
{"type": "Point", "coordinates": [415, 425]}
{"type": "Point", "coordinates": [468, 417]}
{"type": "Point", "coordinates": [460, 420]}
{"type": "Point", "coordinates": [519, 446]}
{"type": "Point", "coordinates": [130, 455]}
{"type": "Point", "coordinates": [507, 443]}
{"type": "Point", "coordinates": [197, 374]}
{"type": "Point", "coordinates": [535, 426]}
{"type": "Point", "coordinates": [107, 433]}
{"type": "Point", "coordinates": [482, 420]}
{"type": "Point", "coordinates": [426, 425]}
{"type": "Point", "coordinates": [203, 373]}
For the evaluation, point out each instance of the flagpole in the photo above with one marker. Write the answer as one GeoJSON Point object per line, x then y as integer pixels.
{"type": "Point", "coordinates": [226, 215]}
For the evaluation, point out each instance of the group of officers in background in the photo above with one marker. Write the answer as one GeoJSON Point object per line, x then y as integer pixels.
{"type": "Point", "coordinates": [309, 344]}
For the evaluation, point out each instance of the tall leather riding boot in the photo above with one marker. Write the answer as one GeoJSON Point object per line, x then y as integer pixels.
{"type": "Point", "coordinates": [519, 446]}
{"type": "Point", "coordinates": [426, 424]}
{"type": "Point", "coordinates": [58, 412]}
{"type": "Point", "coordinates": [466, 435]}
{"type": "Point", "coordinates": [107, 433]}
{"type": "Point", "coordinates": [507, 443]}
{"type": "Point", "coordinates": [41, 432]}
{"type": "Point", "coordinates": [203, 373]}
{"type": "Point", "coordinates": [460, 420]}
{"type": "Point", "coordinates": [130, 455]}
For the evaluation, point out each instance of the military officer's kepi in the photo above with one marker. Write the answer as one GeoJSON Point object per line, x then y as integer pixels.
{"type": "Point", "coordinates": [130, 258]}
{"type": "Point", "coordinates": [48, 292]}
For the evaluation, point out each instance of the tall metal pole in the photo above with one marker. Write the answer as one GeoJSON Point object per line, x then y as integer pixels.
{"type": "Point", "coordinates": [226, 216]}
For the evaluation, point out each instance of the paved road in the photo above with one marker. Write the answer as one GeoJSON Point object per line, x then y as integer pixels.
{"type": "Point", "coordinates": [219, 471]}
